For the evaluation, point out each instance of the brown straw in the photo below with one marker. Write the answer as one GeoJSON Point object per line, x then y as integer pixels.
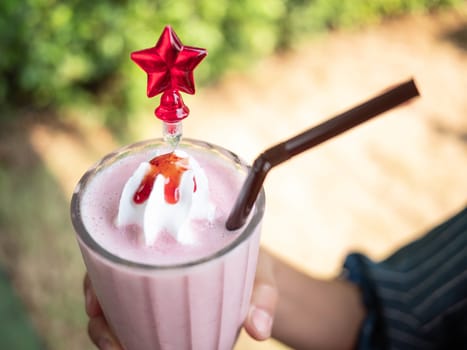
{"type": "Point", "coordinates": [308, 139]}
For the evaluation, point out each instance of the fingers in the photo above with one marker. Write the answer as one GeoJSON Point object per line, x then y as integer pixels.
{"type": "Point", "coordinates": [98, 329]}
{"type": "Point", "coordinates": [101, 335]}
{"type": "Point", "coordinates": [263, 300]}
{"type": "Point", "coordinates": [91, 303]}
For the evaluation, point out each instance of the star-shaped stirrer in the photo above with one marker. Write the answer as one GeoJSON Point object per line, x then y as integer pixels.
{"type": "Point", "coordinates": [169, 66]}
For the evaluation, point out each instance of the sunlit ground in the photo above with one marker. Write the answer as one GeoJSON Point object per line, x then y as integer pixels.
{"type": "Point", "coordinates": [371, 190]}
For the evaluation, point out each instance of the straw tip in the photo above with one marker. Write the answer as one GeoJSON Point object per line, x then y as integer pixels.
{"type": "Point", "coordinates": [411, 87]}
{"type": "Point", "coordinates": [236, 219]}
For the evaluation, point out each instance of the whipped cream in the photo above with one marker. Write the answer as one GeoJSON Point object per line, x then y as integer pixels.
{"type": "Point", "coordinates": [155, 214]}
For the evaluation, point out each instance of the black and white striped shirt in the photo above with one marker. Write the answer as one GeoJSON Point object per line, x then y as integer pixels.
{"type": "Point", "coordinates": [417, 298]}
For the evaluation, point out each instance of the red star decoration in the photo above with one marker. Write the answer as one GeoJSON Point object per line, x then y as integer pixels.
{"type": "Point", "coordinates": [169, 65]}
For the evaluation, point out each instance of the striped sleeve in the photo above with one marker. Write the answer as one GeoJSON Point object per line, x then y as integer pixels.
{"type": "Point", "coordinates": [416, 298]}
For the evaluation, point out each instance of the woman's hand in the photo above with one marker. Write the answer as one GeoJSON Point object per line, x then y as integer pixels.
{"type": "Point", "coordinates": [308, 315]}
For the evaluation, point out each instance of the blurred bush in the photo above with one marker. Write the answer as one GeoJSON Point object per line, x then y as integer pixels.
{"type": "Point", "coordinates": [56, 54]}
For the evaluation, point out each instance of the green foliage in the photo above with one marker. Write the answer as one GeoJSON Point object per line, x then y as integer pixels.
{"type": "Point", "coordinates": [16, 331]}
{"type": "Point", "coordinates": [63, 53]}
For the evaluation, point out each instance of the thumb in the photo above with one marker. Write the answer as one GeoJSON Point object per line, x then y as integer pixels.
{"type": "Point", "coordinates": [263, 300]}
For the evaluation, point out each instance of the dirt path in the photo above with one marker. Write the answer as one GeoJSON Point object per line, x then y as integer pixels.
{"type": "Point", "coordinates": [372, 189]}
{"type": "Point", "coordinates": [369, 188]}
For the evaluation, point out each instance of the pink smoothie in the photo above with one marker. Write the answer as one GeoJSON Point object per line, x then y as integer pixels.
{"type": "Point", "coordinates": [100, 204]}
{"type": "Point", "coordinates": [169, 295]}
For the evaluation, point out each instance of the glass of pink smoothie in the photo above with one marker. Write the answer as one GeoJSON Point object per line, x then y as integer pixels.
{"type": "Point", "coordinates": [169, 295]}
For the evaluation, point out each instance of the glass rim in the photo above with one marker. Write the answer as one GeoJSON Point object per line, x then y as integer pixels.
{"type": "Point", "coordinates": [86, 238]}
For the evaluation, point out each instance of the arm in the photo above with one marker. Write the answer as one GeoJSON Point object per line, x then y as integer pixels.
{"type": "Point", "coordinates": [308, 313]}
{"type": "Point", "coordinates": [316, 314]}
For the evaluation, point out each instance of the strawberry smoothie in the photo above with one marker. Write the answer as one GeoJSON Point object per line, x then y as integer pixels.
{"type": "Point", "coordinates": [166, 271]}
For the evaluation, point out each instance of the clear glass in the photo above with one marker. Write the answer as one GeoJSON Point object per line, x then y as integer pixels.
{"type": "Point", "coordinates": [198, 304]}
